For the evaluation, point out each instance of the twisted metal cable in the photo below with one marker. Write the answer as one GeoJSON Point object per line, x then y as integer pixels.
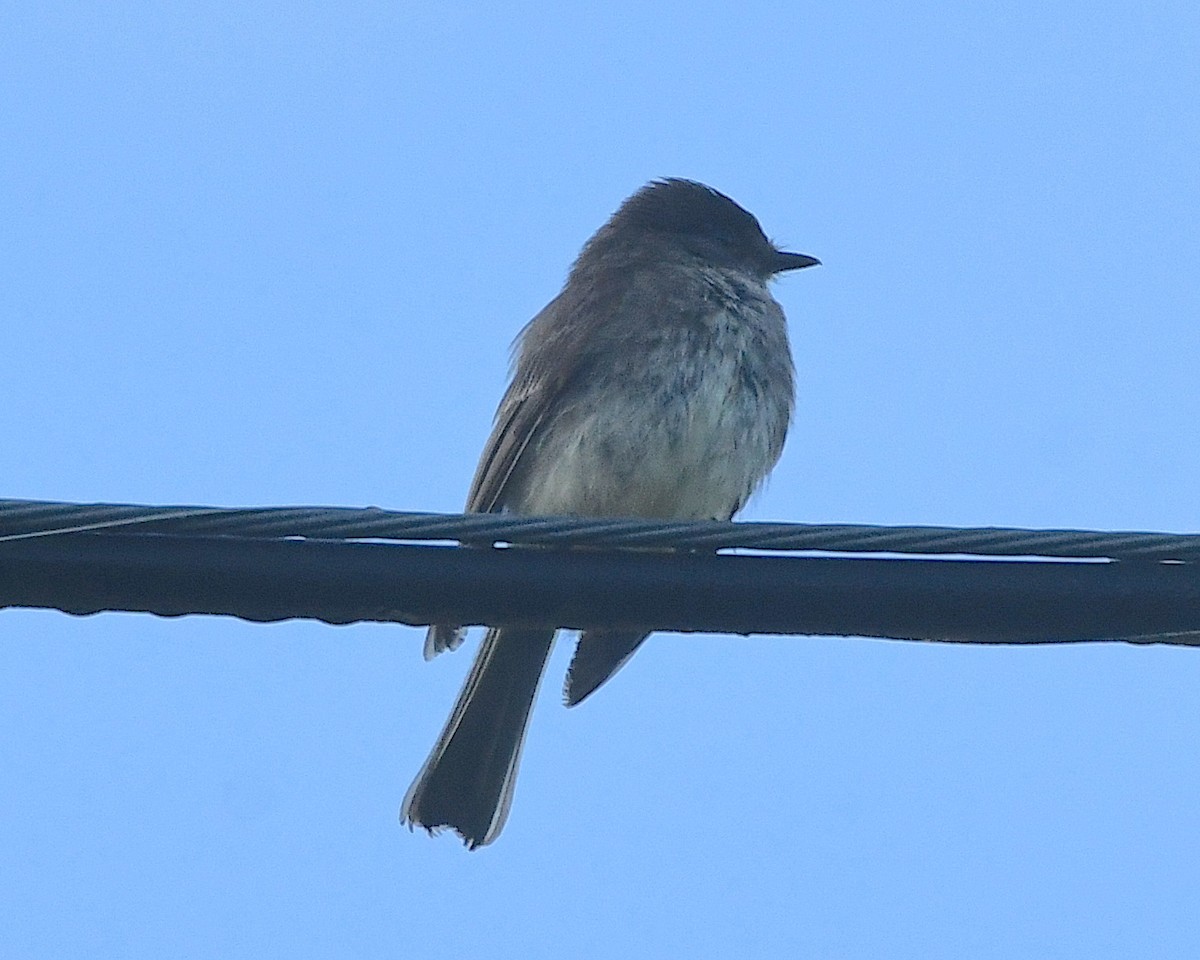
{"type": "Point", "coordinates": [23, 519]}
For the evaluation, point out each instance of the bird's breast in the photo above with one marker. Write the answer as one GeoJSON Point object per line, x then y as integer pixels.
{"type": "Point", "coordinates": [686, 426]}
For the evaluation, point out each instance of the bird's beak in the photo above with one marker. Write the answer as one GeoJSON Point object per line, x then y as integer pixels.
{"type": "Point", "coordinates": [792, 261]}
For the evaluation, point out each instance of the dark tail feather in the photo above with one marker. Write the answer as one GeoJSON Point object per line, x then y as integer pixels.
{"type": "Point", "coordinates": [467, 782]}
{"type": "Point", "coordinates": [600, 654]}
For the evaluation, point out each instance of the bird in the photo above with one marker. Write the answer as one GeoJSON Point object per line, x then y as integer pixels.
{"type": "Point", "coordinates": [658, 383]}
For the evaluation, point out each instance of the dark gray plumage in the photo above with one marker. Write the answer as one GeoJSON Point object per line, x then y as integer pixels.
{"type": "Point", "coordinates": [658, 383]}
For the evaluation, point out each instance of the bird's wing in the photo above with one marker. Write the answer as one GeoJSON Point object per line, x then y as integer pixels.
{"type": "Point", "coordinates": [527, 408]}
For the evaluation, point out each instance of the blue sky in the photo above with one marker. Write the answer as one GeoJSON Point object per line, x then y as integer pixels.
{"type": "Point", "coordinates": [267, 253]}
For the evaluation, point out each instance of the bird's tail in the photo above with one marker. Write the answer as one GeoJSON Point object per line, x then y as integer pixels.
{"type": "Point", "coordinates": [467, 782]}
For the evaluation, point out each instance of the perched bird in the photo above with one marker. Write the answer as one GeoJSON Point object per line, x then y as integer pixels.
{"type": "Point", "coordinates": [658, 383]}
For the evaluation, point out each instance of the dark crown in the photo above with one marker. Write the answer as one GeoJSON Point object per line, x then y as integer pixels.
{"type": "Point", "coordinates": [689, 209]}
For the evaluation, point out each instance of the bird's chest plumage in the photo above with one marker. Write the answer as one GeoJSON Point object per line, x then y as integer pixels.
{"type": "Point", "coordinates": [686, 424]}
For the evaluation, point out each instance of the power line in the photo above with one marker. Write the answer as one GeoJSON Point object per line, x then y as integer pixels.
{"type": "Point", "coordinates": [22, 519]}
{"type": "Point", "coordinates": [280, 576]}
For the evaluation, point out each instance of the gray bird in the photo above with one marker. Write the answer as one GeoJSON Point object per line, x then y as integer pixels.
{"type": "Point", "coordinates": [658, 384]}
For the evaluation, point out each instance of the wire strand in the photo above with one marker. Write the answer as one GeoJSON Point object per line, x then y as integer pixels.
{"type": "Point", "coordinates": [26, 519]}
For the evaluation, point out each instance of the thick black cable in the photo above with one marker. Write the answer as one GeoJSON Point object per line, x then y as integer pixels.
{"type": "Point", "coordinates": [974, 601]}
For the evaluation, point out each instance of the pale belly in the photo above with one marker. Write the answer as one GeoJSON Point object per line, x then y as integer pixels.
{"type": "Point", "coordinates": [679, 448]}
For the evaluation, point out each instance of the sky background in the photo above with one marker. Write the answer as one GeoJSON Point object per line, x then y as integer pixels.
{"type": "Point", "coordinates": [274, 253]}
